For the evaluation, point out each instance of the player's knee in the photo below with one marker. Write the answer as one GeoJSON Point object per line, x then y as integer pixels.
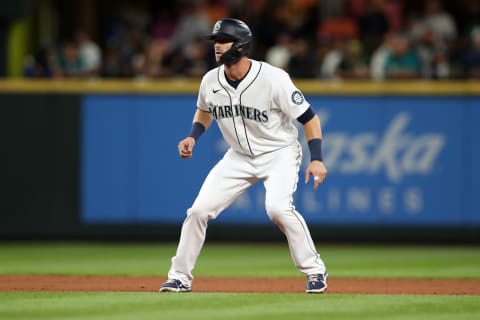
{"type": "Point", "coordinates": [199, 213]}
{"type": "Point", "coordinates": [274, 211]}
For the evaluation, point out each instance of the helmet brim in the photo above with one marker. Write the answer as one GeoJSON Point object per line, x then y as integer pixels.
{"type": "Point", "coordinates": [221, 35]}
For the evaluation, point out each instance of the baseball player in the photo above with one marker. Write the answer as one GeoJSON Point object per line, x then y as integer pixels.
{"type": "Point", "coordinates": [255, 105]}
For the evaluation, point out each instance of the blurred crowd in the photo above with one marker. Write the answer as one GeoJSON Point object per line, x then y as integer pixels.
{"type": "Point", "coordinates": [323, 39]}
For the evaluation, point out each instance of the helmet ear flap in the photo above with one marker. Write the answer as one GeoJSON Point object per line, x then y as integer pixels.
{"type": "Point", "coordinates": [244, 47]}
{"type": "Point", "coordinates": [235, 53]}
{"type": "Point", "coordinates": [231, 56]}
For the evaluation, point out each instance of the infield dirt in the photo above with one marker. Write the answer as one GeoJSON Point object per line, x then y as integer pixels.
{"type": "Point", "coordinates": [44, 283]}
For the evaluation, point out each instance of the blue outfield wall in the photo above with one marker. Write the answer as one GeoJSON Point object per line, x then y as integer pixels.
{"type": "Point", "coordinates": [392, 160]}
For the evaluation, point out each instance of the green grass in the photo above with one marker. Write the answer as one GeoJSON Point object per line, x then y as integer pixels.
{"type": "Point", "coordinates": [211, 306]}
{"type": "Point", "coordinates": [236, 260]}
{"type": "Point", "coordinates": [220, 260]}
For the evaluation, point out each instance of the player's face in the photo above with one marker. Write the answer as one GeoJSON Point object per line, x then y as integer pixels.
{"type": "Point", "coordinates": [221, 45]}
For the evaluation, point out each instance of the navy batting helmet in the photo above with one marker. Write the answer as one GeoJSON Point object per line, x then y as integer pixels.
{"type": "Point", "coordinates": [240, 34]}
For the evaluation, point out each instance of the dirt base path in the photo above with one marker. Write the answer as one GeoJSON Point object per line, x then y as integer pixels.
{"type": "Point", "coordinates": [262, 285]}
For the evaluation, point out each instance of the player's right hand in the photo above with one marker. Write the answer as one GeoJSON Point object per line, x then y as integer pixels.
{"type": "Point", "coordinates": [185, 147]}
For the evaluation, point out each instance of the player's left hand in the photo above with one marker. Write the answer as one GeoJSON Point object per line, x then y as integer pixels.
{"type": "Point", "coordinates": [319, 172]}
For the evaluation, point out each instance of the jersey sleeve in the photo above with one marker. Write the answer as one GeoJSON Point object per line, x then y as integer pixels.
{"type": "Point", "coordinates": [201, 101]}
{"type": "Point", "coordinates": [289, 98]}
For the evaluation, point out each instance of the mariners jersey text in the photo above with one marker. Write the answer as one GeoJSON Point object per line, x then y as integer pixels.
{"type": "Point", "coordinates": [221, 112]}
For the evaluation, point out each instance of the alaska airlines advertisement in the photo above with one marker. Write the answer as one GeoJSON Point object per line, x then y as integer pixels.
{"type": "Point", "coordinates": [392, 160]}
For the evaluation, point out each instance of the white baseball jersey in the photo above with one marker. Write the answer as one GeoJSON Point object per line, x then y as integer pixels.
{"type": "Point", "coordinates": [259, 115]}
